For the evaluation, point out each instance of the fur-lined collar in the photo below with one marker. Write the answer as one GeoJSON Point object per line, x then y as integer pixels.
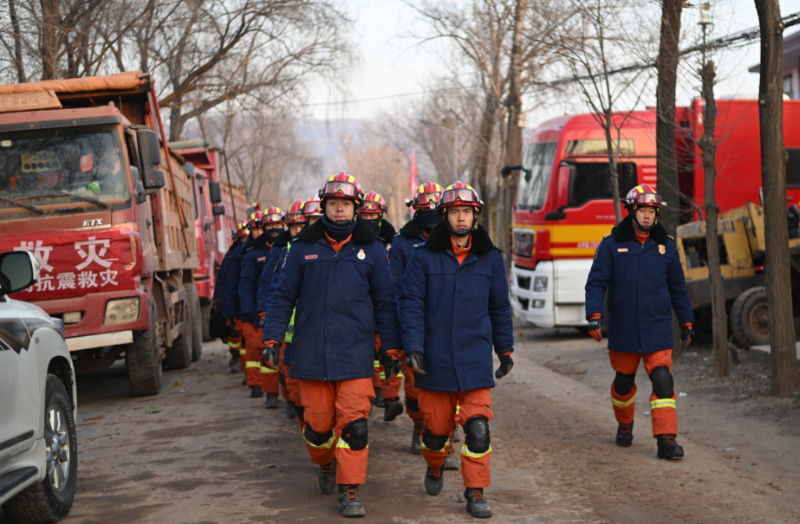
{"type": "Point", "coordinates": [387, 231]}
{"type": "Point", "coordinates": [362, 234]}
{"type": "Point", "coordinates": [412, 229]}
{"type": "Point", "coordinates": [624, 231]}
{"type": "Point", "coordinates": [283, 239]}
{"type": "Point", "coordinates": [439, 240]}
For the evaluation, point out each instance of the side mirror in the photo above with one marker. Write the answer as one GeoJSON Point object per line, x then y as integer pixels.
{"type": "Point", "coordinates": [214, 192]}
{"type": "Point", "coordinates": [218, 210]}
{"type": "Point", "coordinates": [150, 159]}
{"type": "Point", "coordinates": [562, 193]}
{"type": "Point", "coordinates": [18, 271]}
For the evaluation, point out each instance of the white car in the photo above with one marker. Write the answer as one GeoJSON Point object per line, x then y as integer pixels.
{"type": "Point", "coordinates": [38, 441]}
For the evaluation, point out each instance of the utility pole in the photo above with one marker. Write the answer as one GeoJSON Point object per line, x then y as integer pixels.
{"type": "Point", "coordinates": [785, 376]}
{"type": "Point", "coordinates": [709, 148]}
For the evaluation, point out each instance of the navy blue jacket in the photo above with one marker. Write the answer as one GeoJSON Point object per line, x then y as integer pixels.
{"type": "Point", "coordinates": [219, 283]}
{"type": "Point", "coordinates": [454, 314]}
{"type": "Point", "coordinates": [253, 261]}
{"type": "Point", "coordinates": [410, 236]}
{"type": "Point", "coordinates": [644, 283]}
{"type": "Point", "coordinates": [230, 299]}
{"type": "Point", "coordinates": [265, 278]}
{"type": "Point", "coordinates": [342, 300]}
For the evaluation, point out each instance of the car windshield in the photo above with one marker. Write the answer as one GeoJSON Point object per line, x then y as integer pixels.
{"type": "Point", "coordinates": [53, 166]}
{"type": "Point", "coordinates": [533, 184]}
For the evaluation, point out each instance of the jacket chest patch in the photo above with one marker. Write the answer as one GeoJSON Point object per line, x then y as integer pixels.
{"type": "Point", "coordinates": [311, 257]}
{"type": "Point", "coordinates": [262, 259]}
{"type": "Point", "coordinates": [662, 249]}
{"type": "Point", "coordinates": [361, 255]}
{"type": "Point", "coordinates": [622, 250]}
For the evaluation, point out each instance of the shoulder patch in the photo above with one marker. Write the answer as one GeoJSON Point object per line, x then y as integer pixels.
{"type": "Point", "coordinates": [596, 253]}
{"type": "Point", "coordinates": [607, 236]}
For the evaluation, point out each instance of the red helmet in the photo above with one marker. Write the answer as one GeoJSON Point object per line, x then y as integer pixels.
{"type": "Point", "coordinates": [642, 196]}
{"type": "Point", "coordinates": [312, 207]}
{"type": "Point", "coordinates": [342, 186]}
{"type": "Point", "coordinates": [255, 219]}
{"type": "Point", "coordinates": [273, 216]}
{"type": "Point", "coordinates": [460, 194]}
{"type": "Point", "coordinates": [373, 203]}
{"type": "Point", "coordinates": [241, 231]}
{"type": "Point", "coordinates": [426, 196]}
{"type": "Point", "coordinates": [295, 214]}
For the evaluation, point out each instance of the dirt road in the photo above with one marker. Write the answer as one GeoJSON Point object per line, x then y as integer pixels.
{"type": "Point", "coordinates": [212, 455]}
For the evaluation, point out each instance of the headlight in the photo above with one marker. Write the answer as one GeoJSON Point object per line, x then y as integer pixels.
{"type": "Point", "coordinates": [523, 243]}
{"type": "Point", "coordinates": [73, 317]}
{"type": "Point", "coordinates": [538, 304]}
{"type": "Point", "coordinates": [540, 284]}
{"type": "Point", "coordinates": [121, 311]}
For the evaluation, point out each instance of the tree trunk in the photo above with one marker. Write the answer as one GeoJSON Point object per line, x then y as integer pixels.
{"type": "Point", "coordinates": [175, 123]}
{"type": "Point", "coordinates": [709, 148]}
{"type": "Point", "coordinates": [667, 67]}
{"type": "Point", "coordinates": [484, 150]}
{"type": "Point", "coordinates": [12, 13]}
{"type": "Point", "coordinates": [785, 377]}
{"type": "Point", "coordinates": [613, 164]}
{"type": "Point", "coordinates": [51, 10]}
{"type": "Point", "coordinates": [514, 132]}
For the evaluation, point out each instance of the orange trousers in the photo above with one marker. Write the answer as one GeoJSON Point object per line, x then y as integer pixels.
{"type": "Point", "coordinates": [290, 387]}
{"type": "Point", "coordinates": [441, 413]}
{"type": "Point", "coordinates": [663, 412]}
{"type": "Point", "coordinates": [411, 392]}
{"type": "Point", "coordinates": [239, 344]}
{"type": "Point", "coordinates": [390, 389]}
{"type": "Point", "coordinates": [258, 375]}
{"type": "Point", "coordinates": [328, 407]}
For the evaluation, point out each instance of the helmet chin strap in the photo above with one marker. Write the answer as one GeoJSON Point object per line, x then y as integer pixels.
{"type": "Point", "coordinates": [456, 232]}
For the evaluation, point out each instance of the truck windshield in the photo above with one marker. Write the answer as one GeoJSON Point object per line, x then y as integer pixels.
{"type": "Point", "coordinates": [70, 165]}
{"type": "Point", "coordinates": [533, 185]}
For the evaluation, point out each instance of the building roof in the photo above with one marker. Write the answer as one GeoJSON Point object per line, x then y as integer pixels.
{"type": "Point", "coordinates": [791, 52]}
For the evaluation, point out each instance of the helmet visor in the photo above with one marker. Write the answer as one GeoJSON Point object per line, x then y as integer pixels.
{"type": "Point", "coordinates": [467, 196]}
{"type": "Point", "coordinates": [648, 199]}
{"type": "Point", "coordinates": [296, 218]}
{"type": "Point", "coordinates": [274, 218]}
{"type": "Point", "coordinates": [312, 207]}
{"type": "Point", "coordinates": [371, 207]}
{"type": "Point", "coordinates": [426, 199]}
{"type": "Point", "coordinates": [335, 189]}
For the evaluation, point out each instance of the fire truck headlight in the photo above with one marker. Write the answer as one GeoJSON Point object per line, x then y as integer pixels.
{"type": "Point", "coordinates": [538, 304]}
{"type": "Point", "coordinates": [121, 311]}
{"type": "Point", "coordinates": [540, 284]}
{"type": "Point", "coordinates": [73, 317]}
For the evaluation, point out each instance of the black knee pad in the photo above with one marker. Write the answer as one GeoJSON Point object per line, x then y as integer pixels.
{"type": "Point", "coordinates": [412, 404]}
{"type": "Point", "coordinates": [315, 438]}
{"type": "Point", "coordinates": [478, 439]}
{"type": "Point", "coordinates": [356, 434]}
{"type": "Point", "coordinates": [299, 410]}
{"type": "Point", "coordinates": [663, 385]}
{"type": "Point", "coordinates": [434, 442]}
{"type": "Point", "coordinates": [623, 384]}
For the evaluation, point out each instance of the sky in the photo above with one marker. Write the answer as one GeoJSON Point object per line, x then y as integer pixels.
{"type": "Point", "coordinates": [393, 67]}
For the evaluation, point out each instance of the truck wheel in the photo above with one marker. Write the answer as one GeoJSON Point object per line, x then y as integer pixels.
{"type": "Point", "coordinates": [142, 359]}
{"type": "Point", "coordinates": [749, 318]}
{"type": "Point", "coordinates": [51, 499]}
{"type": "Point", "coordinates": [199, 324]}
{"type": "Point", "coordinates": [206, 316]}
{"type": "Point", "coordinates": [179, 356]}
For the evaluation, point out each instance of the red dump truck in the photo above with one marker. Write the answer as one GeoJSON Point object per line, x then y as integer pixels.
{"type": "Point", "coordinates": [89, 186]}
{"type": "Point", "coordinates": [217, 207]}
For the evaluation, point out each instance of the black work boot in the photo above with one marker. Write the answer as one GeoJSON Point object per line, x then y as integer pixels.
{"type": "Point", "coordinates": [233, 363]}
{"type": "Point", "coordinates": [378, 400]}
{"type": "Point", "coordinates": [393, 408]}
{"type": "Point", "coordinates": [667, 447]}
{"type": "Point", "coordinates": [416, 444]}
{"type": "Point", "coordinates": [327, 477]}
{"type": "Point", "coordinates": [476, 504]}
{"type": "Point", "coordinates": [288, 408]}
{"type": "Point", "coordinates": [624, 435]}
{"type": "Point", "coordinates": [244, 381]}
{"type": "Point", "coordinates": [434, 481]}
{"type": "Point", "coordinates": [255, 392]}
{"type": "Point", "coordinates": [349, 504]}
{"type": "Point", "coordinates": [272, 401]}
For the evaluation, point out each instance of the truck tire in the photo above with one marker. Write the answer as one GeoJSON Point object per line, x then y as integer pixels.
{"type": "Point", "coordinates": [749, 318]}
{"type": "Point", "coordinates": [51, 499]}
{"type": "Point", "coordinates": [179, 356]}
{"type": "Point", "coordinates": [199, 324]}
{"type": "Point", "coordinates": [142, 359]}
{"type": "Point", "coordinates": [205, 314]}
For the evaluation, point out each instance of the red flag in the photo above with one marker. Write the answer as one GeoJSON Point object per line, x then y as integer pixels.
{"type": "Point", "coordinates": [413, 183]}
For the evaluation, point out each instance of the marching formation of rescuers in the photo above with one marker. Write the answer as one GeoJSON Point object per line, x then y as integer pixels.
{"type": "Point", "coordinates": [328, 306]}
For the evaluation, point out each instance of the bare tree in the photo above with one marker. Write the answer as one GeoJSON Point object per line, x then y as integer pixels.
{"type": "Point", "coordinates": [785, 376]}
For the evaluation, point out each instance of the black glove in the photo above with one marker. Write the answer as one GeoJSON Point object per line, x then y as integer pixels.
{"type": "Point", "coordinates": [414, 361]}
{"type": "Point", "coordinates": [687, 334]}
{"type": "Point", "coordinates": [261, 322]}
{"type": "Point", "coordinates": [596, 328]}
{"type": "Point", "coordinates": [391, 366]}
{"type": "Point", "coordinates": [249, 318]}
{"type": "Point", "coordinates": [270, 356]}
{"type": "Point", "coordinates": [506, 363]}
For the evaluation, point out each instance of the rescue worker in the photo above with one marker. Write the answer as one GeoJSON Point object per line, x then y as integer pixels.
{"type": "Point", "coordinates": [233, 339]}
{"type": "Point", "coordinates": [337, 276]}
{"type": "Point", "coordinates": [637, 266]}
{"type": "Point", "coordinates": [413, 234]}
{"type": "Point", "coordinates": [267, 226]}
{"type": "Point", "coordinates": [387, 390]}
{"type": "Point", "coordinates": [230, 299]}
{"type": "Point", "coordinates": [294, 220]}
{"type": "Point", "coordinates": [454, 309]}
